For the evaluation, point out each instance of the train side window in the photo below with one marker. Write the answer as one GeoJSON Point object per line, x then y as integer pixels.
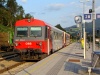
{"type": "Point", "coordinates": [54, 35]}
{"type": "Point", "coordinates": [51, 34]}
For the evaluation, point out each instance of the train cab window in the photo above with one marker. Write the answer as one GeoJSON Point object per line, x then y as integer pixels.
{"type": "Point", "coordinates": [36, 31]}
{"type": "Point", "coordinates": [22, 31]}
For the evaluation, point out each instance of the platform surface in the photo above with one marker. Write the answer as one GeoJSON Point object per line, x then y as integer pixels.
{"type": "Point", "coordinates": [67, 61]}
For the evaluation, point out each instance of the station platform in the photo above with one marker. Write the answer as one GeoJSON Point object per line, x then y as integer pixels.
{"type": "Point", "coordinates": [67, 61]}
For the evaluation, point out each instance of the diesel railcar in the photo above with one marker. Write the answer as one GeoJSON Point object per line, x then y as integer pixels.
{"type": "Point", "coordinates": [34, 37]}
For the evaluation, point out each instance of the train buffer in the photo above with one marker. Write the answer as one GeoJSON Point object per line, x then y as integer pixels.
{"type": "Point", "coordinates": [67, 61]}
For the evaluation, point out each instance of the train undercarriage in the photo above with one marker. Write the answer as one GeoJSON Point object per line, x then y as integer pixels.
{"type": "Point", "coordinates": [31, 54]}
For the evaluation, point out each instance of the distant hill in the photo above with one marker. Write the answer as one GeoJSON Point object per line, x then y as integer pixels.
{"type": "Point", "coordinates": [59, 27]}
{"type": "Point", "coordinates": [89, 26]}
{"type": "Point", "coordinates": [74, 30]}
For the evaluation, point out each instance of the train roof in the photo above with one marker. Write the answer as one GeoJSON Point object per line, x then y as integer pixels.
{"type": "Point", "coordinates": [30, 22]}
{"type": "Point", "coordinates": [36, 22]}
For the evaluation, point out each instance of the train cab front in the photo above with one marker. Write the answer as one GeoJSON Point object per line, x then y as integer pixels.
{"type": "Point", "coordinates": [29, 42]}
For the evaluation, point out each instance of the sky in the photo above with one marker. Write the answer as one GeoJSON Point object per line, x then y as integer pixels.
{"type": "Point", "coordinates": [58, 11]}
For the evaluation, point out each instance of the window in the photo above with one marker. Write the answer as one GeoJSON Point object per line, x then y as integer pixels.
{"type": "Point", "coordinates": [22, 31]}
{"type": "Point", "coordinates": [36, 31]}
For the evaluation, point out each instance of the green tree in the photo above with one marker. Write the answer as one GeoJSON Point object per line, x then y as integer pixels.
{"type": "Point", "coordinates": [28, 15]}
{"type": "Point", "coordinates": [20, 13]}
{"type": "Point", "coordinates": [2, 2]}
{"type": "Point", "coordinates": [12, 8]}
{"type": "Point", "coordinates": [59, 26]}
{"type": "Point", "coordinates": [2, 11]}
{"type": "Point", "coordinates": [10, 12]}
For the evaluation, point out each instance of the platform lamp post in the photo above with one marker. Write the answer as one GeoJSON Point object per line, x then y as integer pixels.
{"type": "Point", "coordinates": [84, 31]}
{"type": "Point", "coordinates": [93, 20]}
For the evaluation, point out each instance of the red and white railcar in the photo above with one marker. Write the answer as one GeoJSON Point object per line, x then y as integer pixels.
{"type": "Point", "coordinates": [34, 37]}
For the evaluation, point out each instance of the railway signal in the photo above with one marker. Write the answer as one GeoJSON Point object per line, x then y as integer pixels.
{"type": "Point", "coordinates": [90, 10]}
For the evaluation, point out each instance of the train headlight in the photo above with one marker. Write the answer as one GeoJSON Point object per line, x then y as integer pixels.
{"type": "Point", "coordinates": [40, 43]}
{"type": "Point", "coordinates": [16, 44]}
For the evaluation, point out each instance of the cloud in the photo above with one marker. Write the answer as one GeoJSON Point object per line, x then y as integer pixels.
{"type": "Point", "coordinates": [98, 9]}
{"type": "Point", "coordinates": [32, 13]}
{"type": "Point", "coordinates": [64, 20]}
{"type": "Point", "coordinates": [24, 1]}
{"type": "Point", "coordinates": [43, 13]}
{"type": "Point", "coordinates": [73, 3]}
{"type": "Point", "coordinates": [86, 8]}
{"type": "Point", "coordinates": [55, 7]}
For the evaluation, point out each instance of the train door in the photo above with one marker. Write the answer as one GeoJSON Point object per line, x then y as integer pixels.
{"type": "Point", "coordinates": [49, 40]}
{"type": "Point", "coordinates": [64, 38]}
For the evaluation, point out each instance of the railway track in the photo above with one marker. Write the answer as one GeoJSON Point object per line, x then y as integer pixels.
{"type": "Point", "coordinates": [9, 60]}
{"type": "Point", "coordinates": [5, 56]}
{"type": "Point", "coordinates": [17, 68]}
{"type": "Point", "coordinates": [10, 63]}
{"type": "Point", "coordinates": [17, 65]}
{"type": "Point", "coordinates": [4, 53]}
{"type": "Point", "coordinates": [10, 67]}
{"type": "Point", "coordinates": [6, 68]}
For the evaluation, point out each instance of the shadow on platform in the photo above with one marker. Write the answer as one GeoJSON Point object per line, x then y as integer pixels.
{"type": "Point", "coordinates": [78, 69]}
{"type": "Point", "coordinates": [71, 55]}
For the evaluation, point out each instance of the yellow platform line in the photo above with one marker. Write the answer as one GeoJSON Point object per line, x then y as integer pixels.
{"type": "Point", "coordinates": [42, 64]}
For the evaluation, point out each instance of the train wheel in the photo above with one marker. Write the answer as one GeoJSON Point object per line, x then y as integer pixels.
{"type": "Point", "coordinates": [36, 56]}
{"type": "Point", "coordinates": [43, 56]}
{"type": "Point", "coordinates": [51, 52]}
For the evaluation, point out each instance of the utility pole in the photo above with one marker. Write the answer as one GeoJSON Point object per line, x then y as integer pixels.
{"type": "Point", "coordinates": [84, 31]}
{"type": "Point", "coordinates": [93, 21]}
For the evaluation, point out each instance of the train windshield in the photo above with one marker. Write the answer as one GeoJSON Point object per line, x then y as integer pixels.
{"type": "Point", "coordinates": [22, 31]}
{"type": "Point", "coordinates": [36, 31]}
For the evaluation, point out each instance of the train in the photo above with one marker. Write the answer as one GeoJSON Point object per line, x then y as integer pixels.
{"type": "Point", "coordinates": [6, 41]}
{"type": "Point", "coordinates": [33, 38]}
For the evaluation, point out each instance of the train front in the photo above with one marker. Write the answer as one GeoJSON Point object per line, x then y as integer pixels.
{"type": "Point", "coordinates": [30, 39]}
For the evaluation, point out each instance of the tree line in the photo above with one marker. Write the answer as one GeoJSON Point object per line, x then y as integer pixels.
{"type": "Point", "coordinates": [10, 12]}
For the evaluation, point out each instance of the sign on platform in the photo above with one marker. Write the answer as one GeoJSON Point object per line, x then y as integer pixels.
{"type": "Point", "coordinates": [87, 16]}
{"type": "Point", "coordinates": [97, 15]}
